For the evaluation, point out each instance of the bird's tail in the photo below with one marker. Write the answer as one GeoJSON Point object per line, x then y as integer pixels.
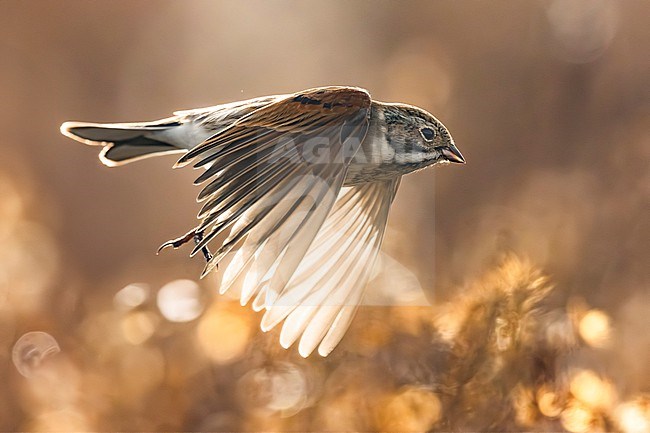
{"type": "Point", "coordinates": [126, 142]}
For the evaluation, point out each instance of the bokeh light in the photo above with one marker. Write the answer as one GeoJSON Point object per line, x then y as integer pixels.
{"type": "Point", "coordinates": [595, 328]}
{"type": "Point", "coordinates": [510, 295]}
{"type": "Point", "coordinates": [577, 418]}
{"type": "Point", "coordinates": [223, 334]}
{"type": "Point", "coordinates": [131, 296]}
{"type": "Point", "coordinates": [32, 350]}
{"type": "Point", "coordinates": [592, 390]}
{"type": "Point", "coordinates": [634, 416]}
{"type": "Point", "coordinates": [281, 388]}
{"type": "Point", "coordinates": [180, 301]}
{"type": "Point", "coordinates": [549, 404]}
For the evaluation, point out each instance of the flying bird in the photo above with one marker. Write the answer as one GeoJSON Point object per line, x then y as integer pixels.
{"type": "Point", "coordinates": [297, 186]}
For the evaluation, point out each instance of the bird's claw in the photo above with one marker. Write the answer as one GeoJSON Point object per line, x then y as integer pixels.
{"type": "Point", "coordinates": [179, 242]}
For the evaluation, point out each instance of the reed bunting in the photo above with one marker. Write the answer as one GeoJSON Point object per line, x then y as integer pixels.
{"type": "Point", "coordinates": [299, 186]}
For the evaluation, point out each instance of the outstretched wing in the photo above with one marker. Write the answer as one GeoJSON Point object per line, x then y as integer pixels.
{"type": "Point", "coordinates": [272, 179]}
{"type": "Point", "coordinates": [322, 296]}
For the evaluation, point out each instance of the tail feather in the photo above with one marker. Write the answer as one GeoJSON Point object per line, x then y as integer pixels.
{"type": "Point", "coordinates": [126, 142]}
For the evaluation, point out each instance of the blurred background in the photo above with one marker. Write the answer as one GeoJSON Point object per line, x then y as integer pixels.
{"type": "Point", "coordinates": [534, 256]}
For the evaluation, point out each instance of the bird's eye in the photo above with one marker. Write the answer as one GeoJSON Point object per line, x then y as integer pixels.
{"type": "Point", "coordinates": [427, 133]}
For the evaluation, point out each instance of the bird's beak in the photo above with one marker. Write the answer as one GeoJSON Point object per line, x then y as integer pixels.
{"type": "Point", "coordinates": [452, 154]}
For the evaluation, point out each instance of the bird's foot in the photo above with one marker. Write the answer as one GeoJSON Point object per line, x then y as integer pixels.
{"type": "Point", "coordinates": [179, 242]}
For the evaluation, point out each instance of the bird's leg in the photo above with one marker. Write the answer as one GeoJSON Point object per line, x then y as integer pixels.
{"type": "Point", "coordinates": [192, 234]}
{"type": "Point", "coordinates": [198, 237]}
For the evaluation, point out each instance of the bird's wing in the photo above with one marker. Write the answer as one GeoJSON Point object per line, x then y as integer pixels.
{"type": "Point", "coordinates": [220, 116]}
{"type": "Point", "coordinates": [322, 296]}
{"type": "Point", "coordinates": [274, 176]}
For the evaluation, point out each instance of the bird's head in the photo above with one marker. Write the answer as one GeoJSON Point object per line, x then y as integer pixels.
{"type": "Point", "coordinates": [418, 137]}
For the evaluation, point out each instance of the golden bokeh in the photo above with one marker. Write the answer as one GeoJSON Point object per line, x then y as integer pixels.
{"type": "Point", "coordinates": [223, 334]}
{"type": "Point", "coordinates": [593, 391]}
{"type": "Point", "coordinates": [634, 416]}
{"type": "Point", "coordinates": [577, 418]}
{"type": "Point", "coordinates": [180, 300]}
{"type": "Point", "coordinates": [595, 328]}
{"type": "Point", "coordinates": [549, 404]}
{"type": "Point", "coordinates": [511, 293]}
{"type": "Point", "coordinates": [131, 296]}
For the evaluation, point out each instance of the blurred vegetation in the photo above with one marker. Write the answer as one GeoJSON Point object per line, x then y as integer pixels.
{"type": "Point", "coordinates": [534, 255]}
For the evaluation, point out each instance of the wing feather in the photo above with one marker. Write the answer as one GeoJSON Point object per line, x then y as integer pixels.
{"type": "Point", "coordinates": [255, 164]}
{"type": "Point", "coordinates": [273, 183]}
{"type": "Point", "coordinates": [320, 300]}
{"type": "Point", "coordinates": [323, 267]}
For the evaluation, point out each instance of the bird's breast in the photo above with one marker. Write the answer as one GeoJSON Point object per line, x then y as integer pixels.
{"type": "Point", "coordinates": [373, 161]}
{"type": "Point", "coordinates": [377, 159]}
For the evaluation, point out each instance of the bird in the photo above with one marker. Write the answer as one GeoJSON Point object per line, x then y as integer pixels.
{"type": "Point", "coordinates": [297, 190]}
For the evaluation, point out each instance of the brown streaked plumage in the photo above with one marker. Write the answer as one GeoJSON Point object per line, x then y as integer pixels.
{"type": "Point", "coordinates": [300, 185]}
